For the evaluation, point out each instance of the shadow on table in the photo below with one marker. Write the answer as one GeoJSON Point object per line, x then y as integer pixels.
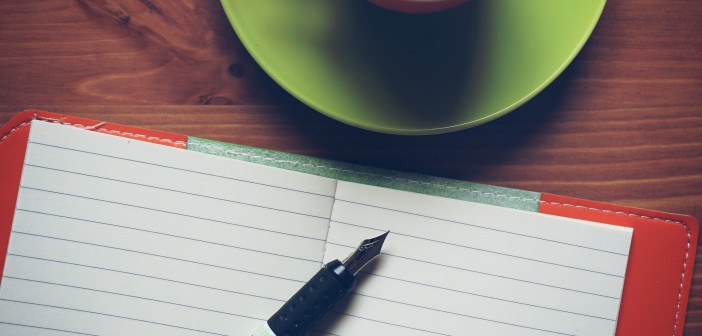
{"type": "Point", "coordinates": [468, 154]}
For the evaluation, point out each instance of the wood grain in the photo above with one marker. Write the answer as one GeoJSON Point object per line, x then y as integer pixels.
{"type": "Point", "coordinates": [623, 124]}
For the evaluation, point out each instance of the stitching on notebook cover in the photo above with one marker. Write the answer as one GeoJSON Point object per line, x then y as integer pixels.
{"type": "Point", "coordinates": [614, 212]}
{"type": "Point", "coordinates": [99, 127]}
{"type": "Point", "coordinates": [13, 130]}
{"type": "Point", "coordinates": [677, 308]}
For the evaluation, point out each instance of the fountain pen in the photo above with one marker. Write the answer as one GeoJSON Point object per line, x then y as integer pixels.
{"type": "Point", "coordinates": [321, 292]}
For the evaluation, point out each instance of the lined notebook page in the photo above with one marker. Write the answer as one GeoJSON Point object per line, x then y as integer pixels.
{"type": "Point", "coordinates": [113, 236]}
{"type": "Point", "coordinates": [450, 267]}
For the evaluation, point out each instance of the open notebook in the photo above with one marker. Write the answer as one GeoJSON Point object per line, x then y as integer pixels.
{"type": "Point", "coordinates": [113, 236]}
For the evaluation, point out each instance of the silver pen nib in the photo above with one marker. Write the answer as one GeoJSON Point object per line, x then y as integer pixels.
{"type": "Point", "coordinates": [366, 251]}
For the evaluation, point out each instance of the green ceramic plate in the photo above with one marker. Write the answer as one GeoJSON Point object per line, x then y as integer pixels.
{"type": "Point", "coordinates": [413, 74]}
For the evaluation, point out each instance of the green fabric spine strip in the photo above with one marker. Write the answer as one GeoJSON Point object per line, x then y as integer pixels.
{"type": "Point", "coordinates": [473, 192]}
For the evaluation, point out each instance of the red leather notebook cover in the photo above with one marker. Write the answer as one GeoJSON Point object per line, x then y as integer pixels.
{"type": "Point", "coordinates": [659, 271]}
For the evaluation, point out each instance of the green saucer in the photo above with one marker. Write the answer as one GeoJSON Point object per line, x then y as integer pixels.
{"type": "Point", "coordinates": [413, 74]}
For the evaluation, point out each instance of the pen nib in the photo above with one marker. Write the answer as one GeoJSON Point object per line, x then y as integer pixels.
{"type": "Point", "coordinates": [366, 251]}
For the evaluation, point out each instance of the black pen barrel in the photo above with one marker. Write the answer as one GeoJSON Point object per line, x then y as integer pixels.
{"type": "Point", "coordinates": [313, 300]}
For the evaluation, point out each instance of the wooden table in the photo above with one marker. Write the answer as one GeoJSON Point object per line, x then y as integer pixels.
{"type": "Point", "coordinates": [623, 124]}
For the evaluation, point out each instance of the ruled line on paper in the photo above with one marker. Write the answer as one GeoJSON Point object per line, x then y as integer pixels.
{"type": "Point", "coordinates": [495, 275]}
{"type": "Point", "coordinates": [199, 176]}
{"type": "Point", "coordinates": [321, 332]}
{"type": "Point", "coordinates": [498, 273]}
{"type": "Point", "coordinates": [156, 255]}
{"type": "Point", "coordinates": [480, 295]}
{"type": "Point", "coordinates": [146, 276]}
{"type": "Point", "coordinates": [161, 234]}
{"type": "Point", "coordinates": [177, 168]}
{"type": "Point", "coordinates": [473, 271]}
{"type": "Point", "coordinates": [105, 223]}
{"type": "Point", "coordinates": [279, 300]}
{"type": "Point", "coordinates": [451, 313]}
{"type": "Point", "coordinates": [130, 296]}
{"type": "Point", "coordinates": [466, 224]}
{"type": "Point", "coordinates": [389, 323]}
{"type": "Point", "coordinates": [44, 328]}
{"type": "Point", "coordinates": [448, 302]}
{"type": "Point", "coordinates": [94, 222]}
{"type": "Point", "coordinates": [110, 315]}
{"type": "Point", "coordinates": [171, 213]}
{"type": "Point", "coordinates": [473, 248]}
{"type": "Point", "coordinates": [452, 232]}
{"type": "Point", "coordinates": [173, 191]}
{"type": "Point", "coordinates": [118, 294]}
